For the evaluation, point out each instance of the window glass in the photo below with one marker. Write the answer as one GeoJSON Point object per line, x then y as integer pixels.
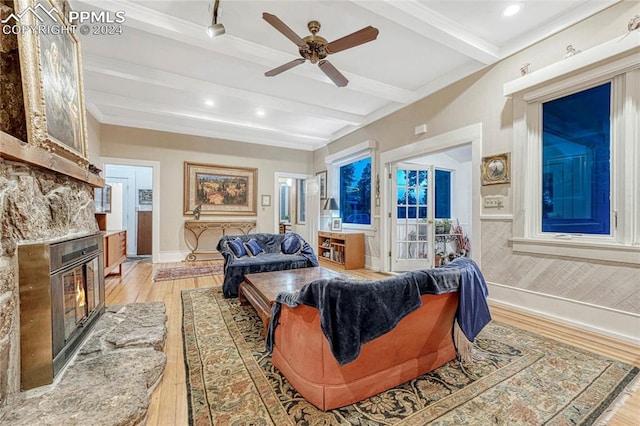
{"type": "Point", "coordinates": [412, 201]}
{"type": "Point", "coordinates": [443, 194]}
{"type": "Point", "coordinates": [355, 192]}
{"type": "Point", "coordinates": [576, 162]}
{"type": "Point", "coordinates": [302, 200]}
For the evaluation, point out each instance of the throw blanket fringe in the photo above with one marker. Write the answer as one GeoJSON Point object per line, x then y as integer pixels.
{"type": "Point", "coordinates": [464, 347]}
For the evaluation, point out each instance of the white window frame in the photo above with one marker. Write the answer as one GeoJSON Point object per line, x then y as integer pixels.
{"type": "Point", "coordinates": [350, 155]}
{"type": "Point", "coordinates": [623, 243]}
{"type": "Point", "coordinates": [300, 200]}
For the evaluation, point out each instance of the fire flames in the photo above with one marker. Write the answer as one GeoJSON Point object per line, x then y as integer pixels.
{"type": "Point", "coordinates": [81, 299]}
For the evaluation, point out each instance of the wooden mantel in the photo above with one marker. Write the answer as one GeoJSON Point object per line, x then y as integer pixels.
{"type": "Point", "coordinates": [12, 148]}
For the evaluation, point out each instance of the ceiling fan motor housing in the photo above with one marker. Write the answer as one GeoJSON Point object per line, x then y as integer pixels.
{"type": "Point", "coordinates": [315, 49]}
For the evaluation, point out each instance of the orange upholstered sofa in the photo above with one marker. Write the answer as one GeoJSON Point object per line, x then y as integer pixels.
{"type": "Point", "coordinates": [422, 341]}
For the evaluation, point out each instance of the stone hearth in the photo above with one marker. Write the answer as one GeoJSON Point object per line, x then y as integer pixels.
{"type": "Point", "coordinates": [111, 379]}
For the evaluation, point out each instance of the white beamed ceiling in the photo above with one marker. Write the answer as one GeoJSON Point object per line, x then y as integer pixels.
{"type": "Point", "coordinates": [159, 73]}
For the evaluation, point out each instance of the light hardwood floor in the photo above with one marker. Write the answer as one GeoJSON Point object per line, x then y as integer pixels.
{"type": "Point", "coordinates": [169, 401]}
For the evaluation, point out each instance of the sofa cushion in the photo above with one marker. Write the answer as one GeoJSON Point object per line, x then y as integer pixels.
{"type": "Point", "coordinates": [237, 247]}
{"type": "Point", "coordinates": [291, 244]}
{"type": "Point", "coordinates": [253, 247]}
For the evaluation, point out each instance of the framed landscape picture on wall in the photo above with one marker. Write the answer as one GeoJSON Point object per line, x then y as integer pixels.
{"type": "Point", "coordinates": [53, 91]}
{"type": "Point", "coordinates": [220, 190]}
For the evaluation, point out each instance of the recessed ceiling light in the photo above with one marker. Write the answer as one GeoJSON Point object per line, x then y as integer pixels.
{"type": "Point", "coordinates": [209, 103]}
{"type": "Point", "coordinates": [260, 113]}
{"type": "Point", "coordinates": [512, 9]}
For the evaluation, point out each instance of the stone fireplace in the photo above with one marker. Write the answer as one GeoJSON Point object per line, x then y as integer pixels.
{"type": "Point", "coordinates": [61, 297]}
{"type": "Point", "coordinates": [35, 206]}
{"type": "Point", "coordinates": [36, 203]}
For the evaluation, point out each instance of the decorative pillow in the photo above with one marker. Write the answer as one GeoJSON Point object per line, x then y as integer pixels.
{"type": "Point", "coordinates": [237, 247]}
{"type": "Point", "coordinates": [291, 244]}
{"type": "Point", "coordinates": [253, 247]}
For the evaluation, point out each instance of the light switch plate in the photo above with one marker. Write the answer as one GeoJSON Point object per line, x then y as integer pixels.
{"type": "Point", "coordinates": [493, 201]}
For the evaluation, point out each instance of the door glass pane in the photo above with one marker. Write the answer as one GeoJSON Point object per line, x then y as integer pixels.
{"type": "Point", "coordinates": [576, 162]}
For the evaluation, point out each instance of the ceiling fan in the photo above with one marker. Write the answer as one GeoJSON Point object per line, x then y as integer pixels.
{"type": "Point", "coordinates": [315, 48]}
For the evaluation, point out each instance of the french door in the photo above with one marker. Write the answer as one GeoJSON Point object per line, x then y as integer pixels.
{"type": "Point", "coordinates": [412, 212]}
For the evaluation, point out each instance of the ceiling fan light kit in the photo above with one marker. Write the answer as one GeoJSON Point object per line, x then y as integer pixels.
{"type": "Point", "coordinates": [215, 29]}
{"type": "Point", "coordinates": [314, 48]}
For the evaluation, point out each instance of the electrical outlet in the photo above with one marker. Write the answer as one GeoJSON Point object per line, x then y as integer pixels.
{"type": "Point", "coordinates": [493, 201]}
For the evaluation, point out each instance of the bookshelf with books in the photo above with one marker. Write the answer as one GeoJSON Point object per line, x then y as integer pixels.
{"type": "Point", "coordinates": [343, 248]}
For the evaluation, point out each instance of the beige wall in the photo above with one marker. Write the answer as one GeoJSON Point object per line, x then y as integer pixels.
{"type": "Point", "coordinates": [171, 150]}
{"type": "Point", "coordinates": [479, 99]}
{"type": "Point", "coordinates": [93, 139]}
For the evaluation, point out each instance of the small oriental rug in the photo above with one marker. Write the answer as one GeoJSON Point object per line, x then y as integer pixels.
{"type": "Point", "coordinates": [168, 274]}
{"type": "Point", "coordinates": [517, 378]}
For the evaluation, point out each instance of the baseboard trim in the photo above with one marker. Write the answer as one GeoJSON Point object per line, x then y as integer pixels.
{"type": "Point", "coordinates": [172, 256]}
{"type": "Point", "coordinates": [618, 325]}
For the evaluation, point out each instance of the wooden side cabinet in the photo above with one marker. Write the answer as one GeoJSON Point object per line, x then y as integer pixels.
{"type": "Point", "coordinates": [343, 248]}
{"type": "Point", "coordinates": [115, 251]}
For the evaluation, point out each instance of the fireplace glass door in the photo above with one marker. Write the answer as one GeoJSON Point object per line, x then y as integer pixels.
{"type": "Point", "coordinates": [75, 299]}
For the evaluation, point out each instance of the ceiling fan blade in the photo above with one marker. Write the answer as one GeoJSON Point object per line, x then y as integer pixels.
{"type": "Point", "coordinates": [284, 29]}
{"type": "Point", "coordinates": [332, 72]}
{"type": "Point", "coordinates": [354, 39]}
{"type": "Point", "coordinates": [283, 68]}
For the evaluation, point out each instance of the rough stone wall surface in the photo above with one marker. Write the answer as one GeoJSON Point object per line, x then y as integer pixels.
{"type": "Point", "coordinates": [12, 116]}
{"type": "Point", "coordinates": [35, 205]}
{"type": "Point", "coordinates": [604, 284]}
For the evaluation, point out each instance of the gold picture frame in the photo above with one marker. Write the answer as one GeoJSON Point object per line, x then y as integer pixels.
{"type": "Point", "coordinates": [220, 190]}
{"type": "Point", "coordinates": [52, 81]}
{"type": "Point", "coordinates": [496, 169]}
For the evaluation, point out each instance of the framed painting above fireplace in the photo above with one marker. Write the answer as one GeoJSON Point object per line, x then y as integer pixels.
{"type": "Point", "coordinates": [52, 80]}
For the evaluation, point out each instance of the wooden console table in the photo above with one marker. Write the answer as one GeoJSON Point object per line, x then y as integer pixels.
{"type": "Point", "coordinates": [200, 227]}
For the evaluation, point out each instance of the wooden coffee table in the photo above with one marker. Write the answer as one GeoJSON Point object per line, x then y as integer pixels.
{"type": "Point", "coordinates": [260, 290]}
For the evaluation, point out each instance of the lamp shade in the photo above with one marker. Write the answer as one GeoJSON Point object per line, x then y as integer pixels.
{"type": "Point", "coordinates": [331, 204]}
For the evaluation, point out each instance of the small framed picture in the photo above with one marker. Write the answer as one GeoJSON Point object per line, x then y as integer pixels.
{"type": "Point", "coordinates": [322, 183]}
{"type": "Point", "coordinates": [336, 224]}
{"type": "Point", "coordinates": [266, 200]}
{"type": "Point", "coordinates": [495, 169]}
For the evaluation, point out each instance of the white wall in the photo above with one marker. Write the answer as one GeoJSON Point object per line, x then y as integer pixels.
{"type": "Point", "coordinates": [114, 219]}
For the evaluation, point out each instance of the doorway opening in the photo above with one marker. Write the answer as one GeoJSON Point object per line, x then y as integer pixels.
{"type": "Point", "coordinates": [454, 152]}
{"type": "Point", "coordinates": [431, 209]}
{"type": "Point", "coordinates": [290, 203]}
{"type": "Point", "coordinates": [135, 205]}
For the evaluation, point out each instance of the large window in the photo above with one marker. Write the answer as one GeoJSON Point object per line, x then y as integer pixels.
{"type": "Point", "coordinates": [576, 173]}
{"type": "Point", "coordinates": [355, 192]}
{"type": "Point", "coordinates": [577, 155]}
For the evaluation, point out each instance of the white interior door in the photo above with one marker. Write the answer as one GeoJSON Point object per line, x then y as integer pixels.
{"type": "Point", "coordinates": [412, 214]}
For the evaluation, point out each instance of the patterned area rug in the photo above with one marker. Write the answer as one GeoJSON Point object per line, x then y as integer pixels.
{"type": "Point", "coordinates": [167, 274]}
{"type": "Point", "coordinates": [517, 378]}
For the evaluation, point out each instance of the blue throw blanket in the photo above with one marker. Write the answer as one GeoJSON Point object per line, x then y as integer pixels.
{"type": "Point", "coordinates": [354, 313]}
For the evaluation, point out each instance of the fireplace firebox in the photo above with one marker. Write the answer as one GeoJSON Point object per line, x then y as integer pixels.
{"type": "Point", "coordinates": [61, 298]}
